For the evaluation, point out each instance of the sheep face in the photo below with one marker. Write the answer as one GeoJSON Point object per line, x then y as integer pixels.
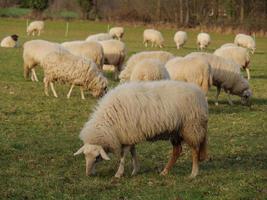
{"type": "Point", "coordinates": [246, 97]}
{"type": "Point", "coordinates": [99, 92]}
{"type": "Point", "coordinates": [93, 154]}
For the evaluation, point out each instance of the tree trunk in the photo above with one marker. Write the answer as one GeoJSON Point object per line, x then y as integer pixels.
{"type": "Point", "coordinates": [187, 16]}
{"type": "Point", "coordinates": [241, 11]}
{"type": "Point", "coordinates": [181, 12]}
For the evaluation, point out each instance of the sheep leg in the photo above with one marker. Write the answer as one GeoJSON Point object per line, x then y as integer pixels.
{"type": "Point", "coordinates": [217, 95]}
{"type": "Point", "coordinates": [82, 93]}
{"type": "Point", "coordinates": [176, 151]}
{"type": "Point", "coordinates": [46, 86]}
{"type": "Point", "coordinates": [248, 73]}
{"type": "Point", "coordinates": [34, 75]}
{"type": "Point", "coordinates": [136, 165]}
{"type": "Point", "coordinates": [53, 89]}
{"type": "Point", "coordinates": [229, 98]}
{"type": "Point", "coordinates": [195, 159]}
{"type": "Point", "coordinates": [69, 93]}
{"type": "Point", "coordinates": [120, 170]}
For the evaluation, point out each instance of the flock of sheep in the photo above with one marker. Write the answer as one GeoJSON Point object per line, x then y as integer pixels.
{"type": "Point", "coordinates": [168, 90]}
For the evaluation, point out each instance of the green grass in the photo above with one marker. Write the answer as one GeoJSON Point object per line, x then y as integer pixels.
{"type": "Point", "coordinates": [14, 12]}
{"type": "Point", "coordinates": [39, 134]}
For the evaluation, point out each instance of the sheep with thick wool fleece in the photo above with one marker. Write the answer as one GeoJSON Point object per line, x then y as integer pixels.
{"type": "Point", "coordinates": [203, 40]}
{"type": "Point", "coordinates": [163, 56]}
{"type": "Point", "coordinates": [180, 39]}
{"type": "Point", "coordinates": [149, 70]}
{"type": "Point", "coordinates": [34, 51]}
{"type": "Point", "coordinates": [35, 26]}
{"type": "Point", "coordinates": [138, 111]}
{"type": "Point", "coordinates": [90, 49]}
{"type": "Point", "coordinates": [117, 32]}
{"type": "Point", "coordinates": [153, 36]}
{"type": "Point", "coordinates": [237, 54]}
{"type": "Point", "coordinates": [229, 45]}
{"type": "Point", "coordinates": [191, 69]}
{"type": "Point", "coordinates": [75, 70]}
{"type": "Point", "coordinates": [99, 37]}
{"type": "Point", "coordinates": [245, 41]}
{"type": "Point", "coordinates": [226, 74]}
{"type": "Point", "coordinates": [10, 41]}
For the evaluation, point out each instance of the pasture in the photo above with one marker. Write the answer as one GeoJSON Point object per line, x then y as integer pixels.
{"type": "Point", "coordinates": [39, 134]}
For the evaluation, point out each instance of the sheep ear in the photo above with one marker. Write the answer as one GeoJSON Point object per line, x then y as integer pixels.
{"type": "Point", "coordinates": [79, 151]}
{"type": "Point", "coordinates": [104, 154]}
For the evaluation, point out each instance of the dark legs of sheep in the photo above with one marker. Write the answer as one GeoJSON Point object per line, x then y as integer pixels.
{"type": "Point", "coordinates": [135, 162]}
{"type": "Point", "coordinates": [217, 95]}
{"type": "Point", "coordinates": [177, 150]}
{"type": "Point", "coordinates": [120, 170]}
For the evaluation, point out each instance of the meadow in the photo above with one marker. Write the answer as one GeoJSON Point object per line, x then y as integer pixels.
{"type": "Point", "coordinates": [39, 134]}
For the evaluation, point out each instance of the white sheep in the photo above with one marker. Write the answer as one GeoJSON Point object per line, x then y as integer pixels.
{"type": "Point", "coordinates": [237, 54]}
{"type": "Point", "coordinates": [245, 41]}
{"type": "Point", "coordinates": [33, 53]}
{"type": "Point", "coordinates": [153, 36]}
{"type": "Point", "coordinates": [75, 70]}
{"type": "Point", "coordinates": [35, 27]}
{"type": "Point", "coordinates": [149, 70]}
{"type": "Point", "coordinates": [180, 39]}
{"type": "Point", "coordinates": [226, 74]}
{"type": "Point", "coordinates": [163, 56]}
{"type": "Point", "coordinates": [117, 32]}
{"type": "Point", "coordinates": [90, 49]}
{"type": "Point", "coordinates": [191, 69]}
{"type": "Point", "coordinates": [138, 111]}
{"type": "Point", "coordinates": [10, 41]}
{"type": "Point", "coordinates": [99, 37]}
{"type": "Point", "coordinates": [203, 40]}
{"type": "Point", "coordinates": [114, 53]}
{"type": "Point", "coordinates": [228, 45]}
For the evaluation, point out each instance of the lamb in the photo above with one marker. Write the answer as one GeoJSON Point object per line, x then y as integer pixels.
{"type": "Point", "coordinates": [117, 32]}
{"type": "Point", "coordinates": [226, 74]}
{"type": "Point", "coordinates": [180, 39]}
{"type": "Point", "coordinates": [149, 70]}
{"type": "Point", "coordinates": [99, 37]}
{"type": "Point", "coordinates": [33, 53]}
{"type": "Point", "coordinates": [191, 69]}
{"type": "Point", "coordinates": [114, 54]}
{"type": "Point", "coordinates": [237, 54]}
{"type": "Point", "coordinates": [203, 40]}
{"type": "Point", "coordinates": [89, 49]}
{"type": "Point", "coordinates": [138, 111]}
{"type": "Point", "coordinates": [245, 41]}
{"type": "Point", "coordinates": [153, 36]}
{"type": "Point", "coordinates": [10, 41]}
{"type": "Point", "coordinates": [76, 70]}
{"type": "Point", "coordinates": [163, 56]}
{"type": "Point", "coordinates": [35, 27]}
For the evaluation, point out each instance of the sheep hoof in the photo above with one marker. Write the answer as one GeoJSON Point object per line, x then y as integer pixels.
{"type": "Point", "coordinates": [164, 172]}
{"type": "Point", "coordinates": [134, 172]}
{"type": "Point", "coordinates": [216, 104]}
{"type": "Point", "coordinates": [193, 175]}
{"type": "Point", "coordinates": [118, 175]}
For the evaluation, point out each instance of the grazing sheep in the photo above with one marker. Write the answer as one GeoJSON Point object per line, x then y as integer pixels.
{"type": "Point", "coordinates": [228, 45]}
{"type": "Point", "coordinates": [153, 36]}
{"type": "Point", "coordinates": [203, 40]}
{"type": "Point", "coordinates": [117, 32]}
{"type": "Point", "coordinates": [114, 54]}
{"type": "Point", "coordinates": [10, 41]}
{"type": "Point", "coordinates": [191, 69]}
{"type": "Point", "coordinates": [35, 27]}
{"type": "Point", "coordinates": [245, 41]}
{"type": "Point", "coordinates": [33, 53]}
{"type": "Point", "coordinates": [89, 49]}
{"type": "Point", "coordinates": [180, 39]}
{"type": "Point", "coordinates": [163, 56]}
{"type": "Point", "coordinates": [138, 111]}
{"type": "Point", "coordinates": [68, 68]}
{"type": "Point", "coordinates": [149, 70]}
{"type": "Point", "coordinates": [226, 74]}
{"type": "Point", "coordinates": [237, 54]}
{"type": "Point", "coordinates": [99, 37]}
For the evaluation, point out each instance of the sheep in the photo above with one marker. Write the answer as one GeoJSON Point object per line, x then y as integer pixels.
{"type": "Point", "coordinates": [137, 111]}
{"type": "Point", "coordinates": [191, 69]}
{"type": "Point", "coordinates": [10, 41]}
{"type": "Point", "coordinates": [33, 52]}
{"type": "Point", "coordinates": [149, 70]}
{"type": "Point", "coordinates": [180, 39]}
{"type": "Point", "coordinates": [228, 45]}
{"type": "Point", "coordinates": [99, 37]}
{"type": "Point", "coordinates": [226, 74]}
{"type": "Point", "coordinates": [35, 26]}
{"type": "Point", "coordinates": [163, 56]}
{"type": "Point", "coordinates": [76, 70]}
{"type": "Point", "coordinates": [117, 32]}
{"type": "Point", "coordinates": [114, 54]}
{"type": "Point", "coordinates": [203, 40]}
{"type": "Point", "coordinates": [237, 54]}
{"type": "Point", "coordinates": [245, 41]}
{"type": "Point", "coordinates": [153, 36]}
{"type": "Point", "coordinates": [89, 49]}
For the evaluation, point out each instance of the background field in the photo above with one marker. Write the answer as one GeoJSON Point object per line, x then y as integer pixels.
{"type": "Point", "coordinates": [39, 134]}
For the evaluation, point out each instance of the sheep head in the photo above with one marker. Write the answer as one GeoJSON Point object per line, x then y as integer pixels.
{"type": "Point", "coordinates": [246, 97]}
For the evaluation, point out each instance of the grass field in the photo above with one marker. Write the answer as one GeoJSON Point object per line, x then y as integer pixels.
{"type": "Point", "coordinates": [39, 134]}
